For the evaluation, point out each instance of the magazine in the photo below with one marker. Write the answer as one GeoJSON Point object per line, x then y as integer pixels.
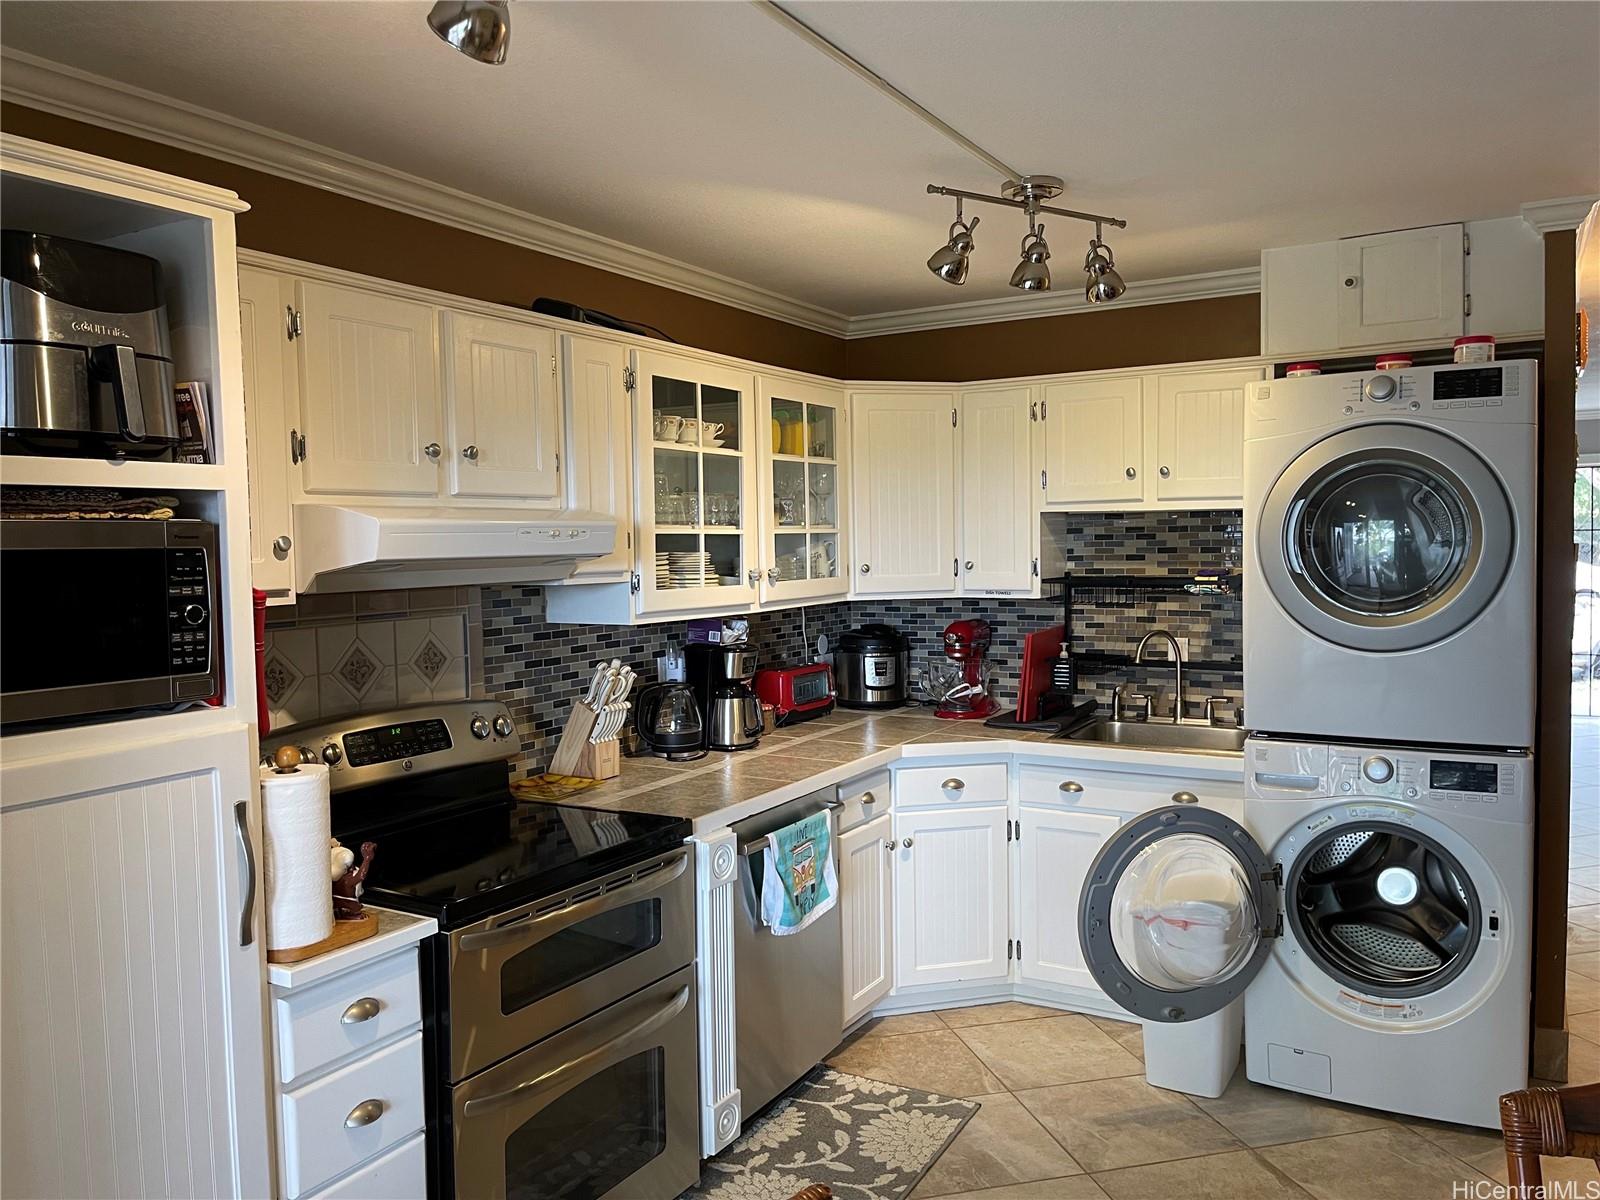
{"type": "Point", "coordinates": [194, 423]}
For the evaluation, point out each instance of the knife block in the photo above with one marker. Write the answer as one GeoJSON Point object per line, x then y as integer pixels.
{"type": "Point", "coordinates": [599, 761]}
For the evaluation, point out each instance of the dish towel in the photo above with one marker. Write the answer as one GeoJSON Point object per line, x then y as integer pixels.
{"type": "Point", "coordinates": [798, 882]}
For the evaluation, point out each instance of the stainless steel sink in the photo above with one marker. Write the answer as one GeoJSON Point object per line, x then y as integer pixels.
{"type": "Point", "coordinates": [1161, 735]}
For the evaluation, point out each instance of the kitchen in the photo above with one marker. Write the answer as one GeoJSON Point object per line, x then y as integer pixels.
{"type": "Point", "coordinates": [487, 537]}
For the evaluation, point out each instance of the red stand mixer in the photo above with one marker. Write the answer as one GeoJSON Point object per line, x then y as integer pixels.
{"type": "Point", "coordinates": [960, 686]}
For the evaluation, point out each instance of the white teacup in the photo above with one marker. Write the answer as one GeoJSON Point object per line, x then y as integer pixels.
{"type": "Point", "coordinates": [667, 426]}
{"type": "Point", "coordinates": [711, 430]}
{"type": "Point", "coordinates": [691, 431]}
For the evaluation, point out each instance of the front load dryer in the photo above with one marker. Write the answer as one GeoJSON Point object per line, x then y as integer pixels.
{"type": "Point", "coordinates": [1372, 909]}
{"type": "Point", "coordinates": [1389, 555]}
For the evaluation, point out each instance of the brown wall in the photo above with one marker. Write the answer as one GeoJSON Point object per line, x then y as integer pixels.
{"type": "Point", "coordinates": [1229, 327]}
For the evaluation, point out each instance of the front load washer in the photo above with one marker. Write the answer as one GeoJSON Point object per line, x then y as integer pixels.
{"type": "Point", "coordinates": [1389, 555]}
{"type": "Point", "coordinates": [1382, 944]}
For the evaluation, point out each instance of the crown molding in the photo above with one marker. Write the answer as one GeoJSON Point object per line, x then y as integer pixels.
{"type": "Point", "coordinates": [1548, 216]}
{"type": "Point", "coordinates": [1239, 282]}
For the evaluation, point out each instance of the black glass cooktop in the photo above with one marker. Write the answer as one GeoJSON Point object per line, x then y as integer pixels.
{"type": "Point", "coordinates": [457, 846]}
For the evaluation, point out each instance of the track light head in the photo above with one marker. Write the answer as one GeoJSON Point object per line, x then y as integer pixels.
{"type": "Point", "coordinates": [1033, 273]}
{"type": "Point", "coordinates": [949, 262]}
{"type": "Point", "coordinates": [1104, 283]}
{"type": "Point", "coordinates": [480, 29]}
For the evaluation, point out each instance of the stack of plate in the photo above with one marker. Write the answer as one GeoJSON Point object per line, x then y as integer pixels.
{"type": "Point", "coordinates": [685, 568]}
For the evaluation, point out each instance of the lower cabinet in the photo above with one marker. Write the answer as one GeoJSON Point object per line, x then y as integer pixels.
{"type": "Point", "coordinates": [952, 915]}
{"type": "Point", "coordinates": [1055, 849]}
{"type": "Point", "coordinates": [866, 897]}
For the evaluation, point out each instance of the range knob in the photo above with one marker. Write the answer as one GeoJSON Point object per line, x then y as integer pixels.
{"type": "Point", "coordinates": [331, 754]}
{"type": "Point", "coordinates": [1381, 389]}
{"type": "Point", "coordinates": [502, 725]}
{"type": "Point", "coordinates": [479, 727]}
{"type": "Point", "coordinates": [194, 614]}
{"type": "Point", "coordinates": [1378, 769]}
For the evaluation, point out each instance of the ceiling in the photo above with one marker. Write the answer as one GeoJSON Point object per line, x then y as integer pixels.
{"type": "Point", "coordinates": [707, 133]}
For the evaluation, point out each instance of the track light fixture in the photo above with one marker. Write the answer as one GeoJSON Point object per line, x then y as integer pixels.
{"type": "Point", "coordinates": [1032, 274]}
{"type": "Point", "coordinates": [949, 262]}
{"type": "Point", "coordinates": [480, 29]}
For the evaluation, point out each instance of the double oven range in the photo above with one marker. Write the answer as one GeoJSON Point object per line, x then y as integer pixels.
{"type": "Point", "coordinates": [559, 992]}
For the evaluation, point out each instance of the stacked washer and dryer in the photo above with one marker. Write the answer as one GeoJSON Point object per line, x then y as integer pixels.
{"type": "Point", "coordinates": [1372, 914]}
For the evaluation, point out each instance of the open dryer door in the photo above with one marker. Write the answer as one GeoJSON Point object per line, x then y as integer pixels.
{"type": "Point", "coordinates": [1178, 913]}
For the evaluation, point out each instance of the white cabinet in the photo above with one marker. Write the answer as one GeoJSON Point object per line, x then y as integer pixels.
{"type": "Point", "coordinates": [369, 393]}
{"type": "Point", "coordinates": [1055, 849]}
{"type": "Point", "coordinates": [599, 420]}
{"type": "Point", "coordinates": [999, 525]}
{"type": "Point", "coordinates": [866, 900]}
{"type": "Point", "coordinates": [1401, 287]}
{"type": "Point", "coordinates": [501, 410]}
{"type": "Point", "coordinates": [951, 887]}
{"type": "Point", "coordinates": [902, 492]}
{"type": "Point", "coordinates": [264, 300]}
{"type": "Point", "coordinates": [1093, 441]}
{"type": "Point", "coordinates": [802, 428]}
{"type": "Point", "coordinates": [133, 1024]}
{"type": "Point", "coordinates": [1199, 435]}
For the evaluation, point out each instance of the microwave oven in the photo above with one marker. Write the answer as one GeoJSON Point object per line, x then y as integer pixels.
{"type": "Point", "coordinates": [103, 615]}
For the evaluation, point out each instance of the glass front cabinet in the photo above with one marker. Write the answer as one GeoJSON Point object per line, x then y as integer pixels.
{"type": "Point", "coordinates": [801, 427]}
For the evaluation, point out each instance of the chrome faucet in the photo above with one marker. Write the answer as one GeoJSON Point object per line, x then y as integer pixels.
{"type": "Point", "coordinates": [1177, 667]}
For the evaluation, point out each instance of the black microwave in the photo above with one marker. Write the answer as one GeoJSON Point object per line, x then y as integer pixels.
{"type": "Point", "coordinates": [103, 616]}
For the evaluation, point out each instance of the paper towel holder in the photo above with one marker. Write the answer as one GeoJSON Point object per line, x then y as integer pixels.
{"type": "Point", "coordinates": [287, 760]}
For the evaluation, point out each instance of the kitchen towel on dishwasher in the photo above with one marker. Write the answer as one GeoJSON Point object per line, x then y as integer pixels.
{"type": "Point", "coordinates": [798, 882]}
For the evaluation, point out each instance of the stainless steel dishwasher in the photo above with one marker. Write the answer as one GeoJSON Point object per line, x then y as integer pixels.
{"type": "Point", "coordinates": [787, 990]}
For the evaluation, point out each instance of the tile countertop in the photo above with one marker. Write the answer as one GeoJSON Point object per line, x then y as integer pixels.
{"type": "Point", "coordinates": [720, 789]}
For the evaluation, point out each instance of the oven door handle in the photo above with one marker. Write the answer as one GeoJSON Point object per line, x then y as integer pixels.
{"type": "Point", "coordinates": [540, 1083]}
{"type": "Point", "coordinates": [518, 931]}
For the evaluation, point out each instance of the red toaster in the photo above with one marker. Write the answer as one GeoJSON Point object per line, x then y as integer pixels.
{"type": "Point", "coordinates": [797, 692]}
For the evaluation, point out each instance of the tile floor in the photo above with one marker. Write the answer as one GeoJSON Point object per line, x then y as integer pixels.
{"type": "Point", "coordinates": [1067, 1115]}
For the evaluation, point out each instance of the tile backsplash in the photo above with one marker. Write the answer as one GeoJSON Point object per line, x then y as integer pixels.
{"type": "Point", "coordinates": [332, 655]}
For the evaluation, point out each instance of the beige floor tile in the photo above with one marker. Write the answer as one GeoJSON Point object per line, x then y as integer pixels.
{"type": "Point", "coordinates": [1587, 964]}
{"type": "Point", "coordinates": [1111, 1123]}
{"type": "Point", "coordinates": [1481, 1149]}
{"type": "Point", "coordinates": [1127, 1034]}
{"type": "Point", "coordinates": [1380, 1164]}
{"type": "Point", "coordinates": [1588, 916]}
{"type": "Point", "coordinates": [936, 1061]}
{"type": "Point", "coordinates": [1240, 1175]}
{"type": "Point", "coordinates": [1583, 994]}
{"type": "Point", "coordinates": [919, 1022]}
{"type": "Point", "coordinates": [1266, 1116]}
{"type": "Point", "coordinates": [1581, 939]}
{"type": "Point", "coordinates": [1060, 1049]}
{"type": "Point", "coordinates": [1583, 1056]}
{"type": "Point", "coordinates": [1002, 1144]}
{"type": "Point", "coordinates": [994, 1014]}
{"type": "Point", "coordinates": [1079, 1187]}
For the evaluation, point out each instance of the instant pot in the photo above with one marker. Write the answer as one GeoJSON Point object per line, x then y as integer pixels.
{"type": "Point", "coordinates": [871, 667]}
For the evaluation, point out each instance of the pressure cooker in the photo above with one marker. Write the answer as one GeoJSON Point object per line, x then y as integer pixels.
{"type": "Point", "coordinates": [871, 667]}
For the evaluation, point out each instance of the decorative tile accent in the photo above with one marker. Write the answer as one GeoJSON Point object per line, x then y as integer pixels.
{"type": "Point", "coordinates": [430, 660]}
{"type": "Point", "coordinates": [358, 669]}
{"type": "Point", "coordinates": [281, 678]}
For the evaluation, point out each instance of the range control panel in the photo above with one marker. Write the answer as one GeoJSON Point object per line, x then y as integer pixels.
{"type": "Point", "coordinates": [376, 747]}
{"type": "Point", "coordinates": [386, 743]}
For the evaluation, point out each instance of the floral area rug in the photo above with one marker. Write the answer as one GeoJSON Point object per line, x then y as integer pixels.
{"type": "Point", "coordinates": [866, 1140]}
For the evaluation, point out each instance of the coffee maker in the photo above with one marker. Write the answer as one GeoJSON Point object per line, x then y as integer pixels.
{"type": "Point", "coordinates": [720, 677]}
{"type": "Point", "coordinates": [965, 694]}
{"type": "Point", "coordinates": [85, 357]}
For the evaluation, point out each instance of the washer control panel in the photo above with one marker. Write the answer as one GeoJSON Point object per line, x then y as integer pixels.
{"type": "Point", "coordinates": [1427, 777]}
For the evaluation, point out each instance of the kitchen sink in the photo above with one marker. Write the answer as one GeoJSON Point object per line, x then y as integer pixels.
{"type": "Point", "coordinates": [1161, 735]}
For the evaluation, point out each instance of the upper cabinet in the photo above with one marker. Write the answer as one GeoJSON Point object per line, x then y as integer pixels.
{"type": "Point", "coordinates": [999, 531]}
{"type": "Point", "coordinates": [369, 393]}
{"type": "Point", "coordinates": [1199, 435]}
{"type": "Point", "coordinates": [1093, 441]}
{"type": "Point", "coordinates": [269, 380]}
{"type": "Point", "coordinates": [802, 428]}
{"type": "Point", "coordinates": [599, 423]}
{"type": "Point", "coordinates": [501, 409]}
{"type": "Point", "coordinates": [902, 494]}
{"type": "Point", "coordinates": [1403, 288]}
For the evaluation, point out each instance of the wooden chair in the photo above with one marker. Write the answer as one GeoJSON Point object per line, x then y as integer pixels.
{"type": "Point", "coordinates": [1560, 1122]}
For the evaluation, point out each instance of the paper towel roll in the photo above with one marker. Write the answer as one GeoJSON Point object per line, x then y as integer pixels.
{"type": "Point", "coordinates": [294, 818]}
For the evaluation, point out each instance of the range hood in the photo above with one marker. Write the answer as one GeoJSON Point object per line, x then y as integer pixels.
{"type": "Point", "coordinates": [340, 548]}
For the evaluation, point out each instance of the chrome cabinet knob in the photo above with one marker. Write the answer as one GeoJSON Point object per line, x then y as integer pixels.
{"type": "Point", "coordinates": [1131, 473]}
{"type": "Point", "coordinates": [1350, 281]}
{"type": "Point", "coordinates": [1166, 472]}
{"type": "Point", "coordinates": [906, 844]}
{"type": "Point", "coordinates": [772, 574]}
{"type": "Point", "coordinates": [954, 785]}
{"type": "Point", "coordinates": [364, 1113]}
{"type": "Point", "coordinates": [282, 544]}
{"type": "Point", "coordinates": [868, 798]}
{"type": "Point", "coordinates": [866, 568]}
{"type": "Point", "coordinates": [470, 453]}
{"type": "Point", "coordinates": [753, 575]}
{"type": "Point", "coordinates": [889, 845]}
{"type": "Point", "coordinates": [967, 564]}
{"type": "Point", "coordinates": [433, 450]}
{"type": "Point", "coordinates": [361, 1010]}
{"type": "Point", "coordinates": [1185, 798]}
{"type": "Point", "coordinates": [1071, 785]}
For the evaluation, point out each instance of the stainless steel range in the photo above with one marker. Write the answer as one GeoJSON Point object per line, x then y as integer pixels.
{"type": "Point", "coordinates": [559, 993]}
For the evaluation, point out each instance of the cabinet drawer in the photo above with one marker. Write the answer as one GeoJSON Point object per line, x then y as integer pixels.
{"type": "Point", "coordinates": [398, 1174]}
{"type": "Point", "coordinates": [1072, 787]}
{"type": "Point", "coordinates": [975, 783]}
{"type": "Point", "coordinates": [318, 1143]}
{"type": "Point", "coordinates": [864, 798]}
{"type": "Point", "coordinates": [341, 1016]}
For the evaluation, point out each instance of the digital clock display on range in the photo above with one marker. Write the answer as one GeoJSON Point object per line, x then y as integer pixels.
{"type": "Point", "coordinates": [1448, 775]}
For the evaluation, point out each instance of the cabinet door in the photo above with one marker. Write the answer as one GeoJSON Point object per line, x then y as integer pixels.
{"type": "Point", "coordinates": [599, 421]}
{"type": "Point", "coordinates": [501, 408]}
{"type": "Point", "coordinates": [1401, 287]}
{"type": "Point", "coordinates": [950, 896]}
{"type": "Point", "coordinates": [134, 1023]}
{"type": "Point", "coordinates": [902, 492]}
{"type": "Point", "coordinates": [1093, 441]}
{"type": "Point", "coordinates": [866, 896]}
{"type": "Point", "coordinates": [1056, 849]}
{"type": "Point", "coordinates": [369, 393]}
{"type": "Point", "coordinates": [697, 519]}
{"type": "Point", "coordinates": [801, 427]}
{"type": "Point", "coordinates": [1200, 435]}
{"type": "Point", "coordinates": [268, 374]}
{"type": "Point", "coordinates": [998, 512]}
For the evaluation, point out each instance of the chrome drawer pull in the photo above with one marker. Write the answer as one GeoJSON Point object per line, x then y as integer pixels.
{"type": "Point", "coordinates": [364, 1113]}
{"type": "Point", "coordinates": [954, 785]}
{"type": "Point", "coordinates": [1071, 785]}
{"type": "Point", "coordinates": [363, 1009]}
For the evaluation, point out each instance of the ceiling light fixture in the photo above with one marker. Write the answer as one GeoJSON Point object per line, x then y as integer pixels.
{"type": "Point", "coordinates": [1104, 283]}
{"type": "Point", "coordinates": [480, 29]}
{"type": "Point", "coordinates": [1032, 275]}
{"type": "Point", "coordinates": [949, 262]}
